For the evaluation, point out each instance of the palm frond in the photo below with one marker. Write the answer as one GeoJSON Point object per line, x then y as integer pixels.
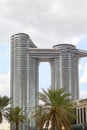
{"type": "Point", "coordinates": [56, 108]}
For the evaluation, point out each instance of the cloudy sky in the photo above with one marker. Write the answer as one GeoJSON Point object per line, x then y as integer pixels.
{"type": "Point", "coordinates": [48, 22]}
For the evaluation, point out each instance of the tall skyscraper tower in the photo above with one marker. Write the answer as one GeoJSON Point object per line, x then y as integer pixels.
{"type": "Point", "coordinates": [25, 59]}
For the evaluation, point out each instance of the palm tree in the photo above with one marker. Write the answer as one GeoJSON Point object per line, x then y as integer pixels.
{"type": "Point", "coordinates": [55, 111]}
{"type": "Point", "coordinates": [14, 116]}
{"type": "Point", "coordinates": [4, 102]}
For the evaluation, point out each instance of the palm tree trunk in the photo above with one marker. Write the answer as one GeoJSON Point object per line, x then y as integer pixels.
{"type": "Point", "coordinates": [0, 117]}
{"type": "Point", "coordinates": [17, 124]}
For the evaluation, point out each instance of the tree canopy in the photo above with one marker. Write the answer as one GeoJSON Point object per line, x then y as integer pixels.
{"type": "Point", "coordinates": [15, 115]}
{"type": "Point", "coordinates": [4, 102]}
{"type": "Point", "coordinates": [55, 111]}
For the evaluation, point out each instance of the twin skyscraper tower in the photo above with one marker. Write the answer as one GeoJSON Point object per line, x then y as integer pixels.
{"type": "Point", "coordinates": [25, 59]}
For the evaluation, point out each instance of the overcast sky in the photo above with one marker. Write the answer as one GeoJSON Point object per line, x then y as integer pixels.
{"type": "Point", "coordinates": [48, 22]}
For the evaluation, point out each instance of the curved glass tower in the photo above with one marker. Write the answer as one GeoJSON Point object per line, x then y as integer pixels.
{"type": "Point", "coordinates": [25, 59]}
{"type": "Point", "coordinates": [66, 69]}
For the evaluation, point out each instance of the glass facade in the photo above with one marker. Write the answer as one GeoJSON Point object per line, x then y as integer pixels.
{"type": "Point", "coordinates": [25, 59]}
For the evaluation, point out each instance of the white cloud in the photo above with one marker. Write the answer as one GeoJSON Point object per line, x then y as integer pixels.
{"type": "Point", "coordinates": [47, 22]}
{"type": "Point", "coordinates": [5, 84]}
{"type": "Point", "coordinates": [83, 94]}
